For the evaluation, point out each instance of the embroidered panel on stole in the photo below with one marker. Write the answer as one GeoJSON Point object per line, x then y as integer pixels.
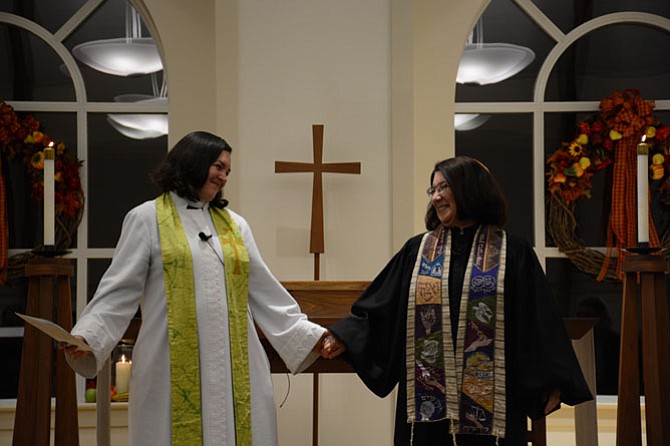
{"type": "Point", "coordinates": [465, 385]}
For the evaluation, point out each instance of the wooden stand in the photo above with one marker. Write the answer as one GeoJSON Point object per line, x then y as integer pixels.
{"type": "Point", "coordinates": [655, 360]}
{"type": "Point", "coordinates": [47, 277]}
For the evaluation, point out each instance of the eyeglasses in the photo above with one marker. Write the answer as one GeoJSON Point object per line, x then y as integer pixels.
{"type": "Point", "coordinates": [440, 189]}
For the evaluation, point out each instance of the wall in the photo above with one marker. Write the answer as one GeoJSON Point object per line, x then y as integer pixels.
{"type": "Point", "coordinates": [380, 76]}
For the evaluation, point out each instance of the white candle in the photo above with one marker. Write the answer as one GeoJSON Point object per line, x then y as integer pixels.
{"type": "Point", "coordinates": [642, 192]}
{"type": "Point", "coordinates": [49, 201]}
{"type": "Point", "coordinates": [123, 375]}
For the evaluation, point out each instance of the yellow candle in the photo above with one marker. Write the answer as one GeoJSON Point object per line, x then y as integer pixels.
{"type": "Point", "coordinates": [49, 201]}
{"type": "Point", "coordinates": [642, 192]}
{"type": "Point", "coordinates": [123, 375]}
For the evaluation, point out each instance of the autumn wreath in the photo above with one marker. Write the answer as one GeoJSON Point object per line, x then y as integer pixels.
{"type": "Point", "coordinates": [607, 139]}
{"type": "Point", "coordinates": [23, 139]}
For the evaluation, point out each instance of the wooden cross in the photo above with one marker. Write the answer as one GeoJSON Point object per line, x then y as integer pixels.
{"type": "Point", "coordinates": [316, 245]}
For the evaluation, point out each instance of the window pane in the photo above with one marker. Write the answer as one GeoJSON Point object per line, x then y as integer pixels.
{"type": "Point", "coordinates": [504, 22]}
{"type": "Point", "coordinates": [592, 214]}
{"type": "Point", "coordinates": [580, 295]}
{"type": "Point", "coordinates": [119, 171]}
{"type": "Point", "coordinates": [24, 213]}
{"type": "Point", "coordinates": [108, 22]}
{"type": "Point", "coordinates": [96, 269]}
{"type": "Point", "coordinates": [592, 69]}
{"type": "Point", "coordinates": [50, 15]}
{"type": "Point", "coordinates": [567, 15]}
{"type": "Point", "coordinates": [504, 143]}
{"type": "Point", "coordinates": [30, 69]}
{"type": "Point", "coordinates": [12, 299]}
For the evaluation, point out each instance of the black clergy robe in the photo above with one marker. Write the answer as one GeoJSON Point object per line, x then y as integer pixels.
{"type": "Point", "coordinates": [538, 353]}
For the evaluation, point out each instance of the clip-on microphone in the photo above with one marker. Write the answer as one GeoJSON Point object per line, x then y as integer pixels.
{"type": "Point", "coordinates": [205, 238]}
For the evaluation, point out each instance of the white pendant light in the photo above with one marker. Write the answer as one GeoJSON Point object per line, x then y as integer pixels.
{"type": "Point", "coordinates": [142, 125]}
{"type": "Point", "coordinates": [469, 121]}
{"type": "Point", "coordinates": [488, 63]}
{"type": "Point", "coordinates": [120, 57]}
{"type": "Point", "coordinates": [125, 56]}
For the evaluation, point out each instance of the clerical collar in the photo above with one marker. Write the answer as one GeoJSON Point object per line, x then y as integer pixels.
{"type": "Point", "coordinates": [469, 230]}
{"type": "Point", "coordinates": [188, 204]}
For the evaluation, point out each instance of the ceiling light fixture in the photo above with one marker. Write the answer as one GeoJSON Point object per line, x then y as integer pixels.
{"type": "Point", "coordinates": [125, 56]}
{"type": "Point", "coordinates": [488, 63]}
{"type": "Point", "coordinates": [468, 121]}
{"type": "Point", "coordinates": [142, 125]}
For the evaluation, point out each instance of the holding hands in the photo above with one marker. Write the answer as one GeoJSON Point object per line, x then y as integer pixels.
{"type": "Point", "coordinates": [329, 346]}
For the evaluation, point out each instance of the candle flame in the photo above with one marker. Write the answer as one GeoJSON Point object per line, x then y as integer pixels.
{"type": "Point", "coordinates": [644, 138]}
{"type": "Point", "coordinates": [123, 358]}
{"type": "Point", "coordinates": [51, 144]}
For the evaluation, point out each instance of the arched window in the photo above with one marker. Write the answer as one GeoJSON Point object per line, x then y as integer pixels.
{"type": "Point", "coordinates": [584, 51]}
{"type": "Point", "coordinates": [116, 124]}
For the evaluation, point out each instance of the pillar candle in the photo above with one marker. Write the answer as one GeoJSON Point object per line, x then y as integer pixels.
{"type": "Point", "coordinates": [49, 201]}
{"type": "Point", "coordinates": [642, 192]}
{"type": "Point", "coordinates": [122, 375]}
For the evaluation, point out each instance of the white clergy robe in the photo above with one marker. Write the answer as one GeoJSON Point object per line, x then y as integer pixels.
{"type": "Point", "coordinates": [135, 277]}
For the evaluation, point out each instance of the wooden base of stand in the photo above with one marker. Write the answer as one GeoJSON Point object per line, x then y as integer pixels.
{"type": "Point", "coordinates": [47, 277]}
{"type": "Point", "coordinates": [653, 300]}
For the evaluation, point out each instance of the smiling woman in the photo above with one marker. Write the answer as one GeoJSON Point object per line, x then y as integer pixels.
{"type": "Point", "coordinates": [451, 321]}
{"type": "Point", "coordinates": [192, 286]}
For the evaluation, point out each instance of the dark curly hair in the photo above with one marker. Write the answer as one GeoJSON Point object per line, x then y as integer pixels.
{"type": "Point", "coordinates": [477, 193]}
{"type": "Point", "coordinates": [185, 168]}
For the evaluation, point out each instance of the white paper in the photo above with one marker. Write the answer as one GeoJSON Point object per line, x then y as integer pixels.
{"type": "Point", "coordinates": [55, 331]}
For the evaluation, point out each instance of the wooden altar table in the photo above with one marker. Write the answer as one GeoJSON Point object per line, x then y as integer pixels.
{"type": "Point", "coordinates": [325, 302]}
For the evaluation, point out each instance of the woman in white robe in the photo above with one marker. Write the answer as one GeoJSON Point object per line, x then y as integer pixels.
{"type": "Point", "coordinates": [135, 278]}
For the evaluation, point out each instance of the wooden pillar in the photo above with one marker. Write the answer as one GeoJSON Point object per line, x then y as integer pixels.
{"type": "Point", "coordinates": [47, 277]}
{"type": "Point", "coordinates": [651, 270]}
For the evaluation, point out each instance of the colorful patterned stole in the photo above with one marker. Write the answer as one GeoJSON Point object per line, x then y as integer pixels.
{"type": "Point", "coordinates": [467, 384]}
{"type": "Point", "coordinates": [183, 326]}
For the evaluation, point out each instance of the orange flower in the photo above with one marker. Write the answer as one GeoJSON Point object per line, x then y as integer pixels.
{"type": "Point", "coordinates": [657, 171]}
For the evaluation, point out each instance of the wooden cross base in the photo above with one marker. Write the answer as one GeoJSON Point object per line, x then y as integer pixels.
{"type": "Point", "coordinates": [32, 425]}
{"type": "Point", "coordinates": [655, 359]}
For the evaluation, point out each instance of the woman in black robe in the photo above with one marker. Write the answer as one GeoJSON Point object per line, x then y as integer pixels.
{"type": "Point", "coordinates": [539, 369]}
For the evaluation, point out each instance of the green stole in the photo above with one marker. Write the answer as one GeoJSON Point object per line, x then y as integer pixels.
{"type": "Point", "coordinates": [465, 384]}
{"type": "Point", "coordinates": [183, 326]}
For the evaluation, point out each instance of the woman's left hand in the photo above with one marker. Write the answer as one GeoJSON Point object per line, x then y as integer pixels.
{"type": "Point", "coordinates": [72, 350]}
{"type": "Point", "coordinates": [329, 346]}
